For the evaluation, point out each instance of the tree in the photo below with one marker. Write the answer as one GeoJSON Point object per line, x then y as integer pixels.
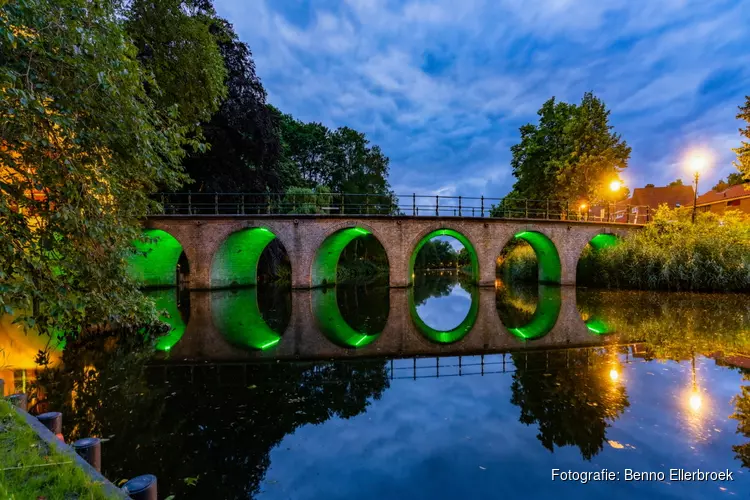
{"type": "Point", "coordinates": [649, 185]}
{"type": "Point", "coordinates": [572, 154]}
{"type": "Point", "coordinates": [175, 43]}
{"type": "Point", "coordinates": [733, 179]}
{"type": "Point", "coordinates": [676, 182]}
{"type": "Point", "coordinates": [537, 158]}
{"type": "Point", "coordinates": [82, 145]}
{"type": "Point", "coordinates": [243, 134]}
{"type": "Point", "coordinates": [743, 152]}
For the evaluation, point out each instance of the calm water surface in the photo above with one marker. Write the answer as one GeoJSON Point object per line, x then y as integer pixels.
{"type": "Point", "coordinates": [442, 391]}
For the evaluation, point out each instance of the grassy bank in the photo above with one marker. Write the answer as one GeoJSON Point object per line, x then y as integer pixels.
{"type": "Point", "coordinates": [361, 273]}
{"type": "Point", "coordinates": [672, 253]}
{"type": "Point", "coordinates": [30, 469]}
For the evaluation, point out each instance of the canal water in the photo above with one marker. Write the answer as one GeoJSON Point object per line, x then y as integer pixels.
{"type": "Point", "coordinates": [440, 391]}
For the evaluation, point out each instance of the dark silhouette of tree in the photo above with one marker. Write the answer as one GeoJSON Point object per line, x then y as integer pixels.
{"type": "Point", "coordinates": [733, 179]}
{"type": "Point", "coordinates": [742, 415]}
{"type": "Point", "coordinates": [569, 396]}
{"type": "Point", "coordinates": [207, 430]}
{"type": "Point", "coordinates": [743, 152]}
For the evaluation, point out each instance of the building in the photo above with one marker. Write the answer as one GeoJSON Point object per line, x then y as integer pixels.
{"type": "Point", "coordinates": [733, 198]}
{"type": "Point", "coordinates": [639, 207]}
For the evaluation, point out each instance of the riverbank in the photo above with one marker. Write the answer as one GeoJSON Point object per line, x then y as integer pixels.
{"type": "Point", "coordinates": [671, 253]}
{"type": "Point", "coordinates": [30, 468]}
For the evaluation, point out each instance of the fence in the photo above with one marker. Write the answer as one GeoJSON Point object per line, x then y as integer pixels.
{"type": "Point", "coordinates": [390, 205]}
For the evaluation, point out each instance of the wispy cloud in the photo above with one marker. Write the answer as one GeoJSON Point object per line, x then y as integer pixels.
{"type": "Point", "coordinates": [443, 86]}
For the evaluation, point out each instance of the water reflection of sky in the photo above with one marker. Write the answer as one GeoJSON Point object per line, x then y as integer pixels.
{"type": "Point", "coordinates": [461, 437]}
{"type": "Point", "coordinates": [446, 313]}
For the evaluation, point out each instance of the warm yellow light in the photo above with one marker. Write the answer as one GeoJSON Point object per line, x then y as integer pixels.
{"type": "Point", "coordinates": [698, 163]}
{"type": "Point", "coordinates": [583, 206]}
{"type": "Point", "coordinates": [614, 375]}
{"type": "Point", "coordinates": [696, 401]}
{"type": "Point", "coordinates": [614, 185]}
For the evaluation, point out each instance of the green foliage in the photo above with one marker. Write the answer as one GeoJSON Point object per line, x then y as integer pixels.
{"type": "Point", "coordinates": [245, 149]}
{"type": "Point", "coordinates": [676, 182]}
{"type": "Point", "coordinates": [436, 254]}
{"type": "Point", "coordinates": [27, 465]}
{"type": "Point", "coordinates": [743, 152]}
{"type": "Point", "coordinates": [733, 179]}
{"type": "Point", "coordinates": [341, 159]}
{"type": "Point", "coordinates": [302, 200]}
{"type": "Point", "coordinates": [572, 154]}
{"type": "Point", "coordinates": [174, 41]}
{"type": "Point", "coordinates": [81, 146]}
{"type": "Point", "coordinates": [742, 415]}
{"type": "Point", "coordinates": [673, 254]}
{"type": "Point", "coordinates": [518, 263]}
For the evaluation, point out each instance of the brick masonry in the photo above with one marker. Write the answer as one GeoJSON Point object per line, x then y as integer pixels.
{"type": "Point", "coordinates": [301, 236]}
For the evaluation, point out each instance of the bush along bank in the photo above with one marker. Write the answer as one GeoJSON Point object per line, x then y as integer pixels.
{"type": "Point", "coordinates": [672, 253]}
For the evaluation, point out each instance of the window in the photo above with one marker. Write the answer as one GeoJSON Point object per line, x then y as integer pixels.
{"type": "Point", "coordinates": [733, 203]}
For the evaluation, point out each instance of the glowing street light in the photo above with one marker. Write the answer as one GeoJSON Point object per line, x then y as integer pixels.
{"type": "Point", "coordinates": [614, 186]}
{"type": "Point", "coordinates": [698, 164]}
{"type": "Point", "coordinates": [614, 375]}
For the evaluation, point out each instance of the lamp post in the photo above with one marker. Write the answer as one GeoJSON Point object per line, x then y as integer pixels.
{"type": "Point", "coordinates": [614, 186]}
{"type": "Point", "coordinates": [698, 163]}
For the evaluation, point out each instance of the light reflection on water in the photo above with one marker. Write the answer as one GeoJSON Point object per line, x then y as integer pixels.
{"type": "Point", "coordinates": [487, 415]}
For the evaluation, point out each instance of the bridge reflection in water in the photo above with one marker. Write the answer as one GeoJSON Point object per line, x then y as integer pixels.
{"type": "Point", "coordinates": [227, 326]}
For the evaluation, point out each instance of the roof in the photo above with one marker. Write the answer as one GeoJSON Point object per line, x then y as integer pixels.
{"type": "Point", "coordinates": [738, 191]}
{"type": "Point", "coordinates": [655, 196]}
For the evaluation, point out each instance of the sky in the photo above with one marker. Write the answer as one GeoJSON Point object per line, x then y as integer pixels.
{"type": "Point", "coordinates": [442, 86]}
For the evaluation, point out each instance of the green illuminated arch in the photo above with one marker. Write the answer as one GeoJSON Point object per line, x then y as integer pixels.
{"type": "Point", "coordinates": [446, 336]}
{"type": "Point", "coordinates": [550, 270]}
{"type": "Point", "coordinates": [601, 241]}
{"type": "Point", "coordinates": [445, 232]}
{"type": "Point", "coordinates": [545, 316]}
{"type": "Point", "coordinates": [326, 259]}
{"type": "Point", "coordinates": [155, 260]}
{"type": "Point", "coordinates": [333, 325]}
{"type": "Point", "coordinates": [235, 263]}
{"type": "Point", "coordinates": [237, 316]}
{"type": "Point", "coordinates": [166, 300]}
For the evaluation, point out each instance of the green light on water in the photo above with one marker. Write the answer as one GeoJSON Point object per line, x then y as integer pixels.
{"type": "Point", "coordinates": [598, 326]}
{"type": "Point", "coordinates": [237, 317]}
{"type": "Point", "coordinates": [333, 324]}
{"type": "Point", "coordinates": [545, 316]}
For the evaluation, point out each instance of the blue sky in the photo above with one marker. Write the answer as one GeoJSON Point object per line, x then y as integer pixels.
{"type": "Point", "coordinates": [443, 86]}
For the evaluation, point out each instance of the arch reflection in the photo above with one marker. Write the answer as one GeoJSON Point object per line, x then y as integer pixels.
{"type": "Point", "coordinates": [240, 319]}
{"type": "Point", "coordinates": [358, 325]}
{"type": "Point", "coordinates": [444, 286]}
{"type": "Point", "coordinates": [529, 312]}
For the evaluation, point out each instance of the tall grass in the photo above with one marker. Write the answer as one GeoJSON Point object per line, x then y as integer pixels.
{"type": "Point", "coordinates": [672, 253]}
{"type": "Point", "coordinates": [518, 263]}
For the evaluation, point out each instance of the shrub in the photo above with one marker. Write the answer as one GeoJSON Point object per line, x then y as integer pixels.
{"type": "Point", "coordinates": [672, 253]}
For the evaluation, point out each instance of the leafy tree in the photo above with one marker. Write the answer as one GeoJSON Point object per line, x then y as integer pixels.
{"type": "Point", "coordinates": [81, 146]}
{"type": "Point", "coordinates": [175, 42]}
{"type": "Point", "coordinates": [537, 159]}
{"type": "Point", "coordinates": [572, 154]}
{"type": "Point", "coordinates": [676, 182]}
{"type": "Point", "coordinates": [733, 179]}
{"type": "Point", "coordinates": [649, 185]}
{"type": "Point", "coordinates": [743, 152]}
{"type": "Point", "coordinates": [243, 134]}
{"type": "Point", "coordinates": [436, 254]}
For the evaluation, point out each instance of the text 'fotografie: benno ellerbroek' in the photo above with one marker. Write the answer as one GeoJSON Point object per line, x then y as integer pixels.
{"type": "Point", "coordinates": [696, 475]}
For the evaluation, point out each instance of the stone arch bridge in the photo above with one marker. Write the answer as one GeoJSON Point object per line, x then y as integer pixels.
{"type": "Point", "coordinates": [221, 251]}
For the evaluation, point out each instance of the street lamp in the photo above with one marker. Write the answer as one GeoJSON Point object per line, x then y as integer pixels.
{"type": "Point", "coordinates": [614, 186]}
{"type": "Point", "coordinates": [697, 164]}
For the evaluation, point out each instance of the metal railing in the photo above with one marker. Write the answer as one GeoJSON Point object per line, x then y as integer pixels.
{"type": "Point", "coordinates": [391, 205]}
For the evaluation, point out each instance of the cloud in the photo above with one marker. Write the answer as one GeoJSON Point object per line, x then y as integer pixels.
{"type": "Point", "coordinates": [443, 86]}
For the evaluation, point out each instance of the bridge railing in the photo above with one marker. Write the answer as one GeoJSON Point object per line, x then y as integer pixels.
{"type": "Point", "coordinates": [392, 205]}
